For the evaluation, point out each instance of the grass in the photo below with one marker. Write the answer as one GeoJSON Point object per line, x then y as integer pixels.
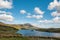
{"type": "Point", "coordinates": [16, 38]}
{"type": "Point", "coordinates": [26, 38]}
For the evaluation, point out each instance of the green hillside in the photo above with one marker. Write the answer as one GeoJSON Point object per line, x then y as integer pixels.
{"type": "Point", "coordinates": [7, 31]}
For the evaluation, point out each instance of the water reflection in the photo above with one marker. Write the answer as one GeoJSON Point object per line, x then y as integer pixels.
{"type": "Point", "coordinates": [37, 33]}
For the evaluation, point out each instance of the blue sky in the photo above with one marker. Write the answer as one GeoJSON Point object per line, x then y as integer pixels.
{"type": "Point", "coordinates": [42, 13]}
{"type": "Point", "coordinates": [29, 6]}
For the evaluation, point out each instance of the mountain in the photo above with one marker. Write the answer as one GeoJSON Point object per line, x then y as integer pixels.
{"type": "Point", "coordinates": [11, 29]}
{"type": "Point", "coordinates": [19, 26]}
{"type": "Point", "coordinates": [22, 26]}
{"type": "Point", "coordinates": [28, 26]}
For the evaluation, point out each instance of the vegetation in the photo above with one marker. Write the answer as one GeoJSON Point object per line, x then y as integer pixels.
{"type": "Point", "coordinates": [55, 30]}
{"type": "Point", "coordinates": [13, 38]}
{"type": "Point", "coordinates": [27, 38]}
{"type": "Point", "coordinates": [8, 32]}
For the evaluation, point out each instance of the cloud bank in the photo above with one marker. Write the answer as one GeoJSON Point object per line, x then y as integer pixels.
{"type": "Point", "coordinates": [5, 16]}
{"type": "Point", "coordinates": [5, 4]}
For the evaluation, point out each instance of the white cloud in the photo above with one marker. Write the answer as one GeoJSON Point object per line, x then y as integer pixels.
{"type": "Point", "coordinates": [53, 4]}
{"type": "Point", "coordinates": [49, 25]}
{"type": "Point", "coordinates": [22, 11]}
{"type": "Point", "coordinates": [45, 21]}
{"type": "Point", "coordinates": [56, 19]}
{"type": "Point", "coordinates": [5, 17]}
{"type": "Point", "coordinates": [29, 16]}
{"type": "Point", "coordinates": [38, 11]}
{"type": "Point", "coordinates": [55, 14]}
{"type": "Point", "coordinates": [58, 8]}
{"type": "Point", "coordinates": [5, 4]}
{"type": "Point", "coordinates": [35, 16]}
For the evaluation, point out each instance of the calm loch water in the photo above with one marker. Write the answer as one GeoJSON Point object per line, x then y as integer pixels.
{"type": "Point", "coordinates": [37, 33]}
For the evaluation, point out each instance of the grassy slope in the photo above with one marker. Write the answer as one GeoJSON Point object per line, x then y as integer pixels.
{"type": "Point", "coordinates": [7, 31]}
